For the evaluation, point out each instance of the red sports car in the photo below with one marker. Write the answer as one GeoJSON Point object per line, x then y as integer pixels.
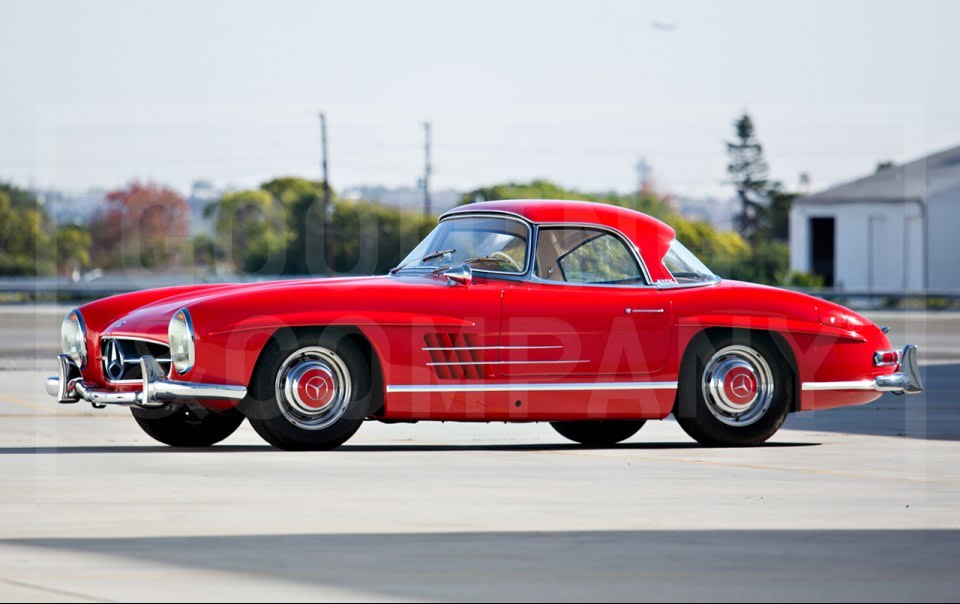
{"type": "Point", "coordinates": [589, 316]}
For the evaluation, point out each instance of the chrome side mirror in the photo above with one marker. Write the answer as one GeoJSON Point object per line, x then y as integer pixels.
{"type": "Point", "coordinates": [459, 275]}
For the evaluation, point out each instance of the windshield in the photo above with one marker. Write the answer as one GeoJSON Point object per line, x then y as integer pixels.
{"type": "Point", "coordinates": [685, 267]}
{"type": "Point", "coordinates": [486, 243]}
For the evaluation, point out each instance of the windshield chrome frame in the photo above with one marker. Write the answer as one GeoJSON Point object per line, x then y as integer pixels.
{"type": "Point", "coordinates": [506, 275]}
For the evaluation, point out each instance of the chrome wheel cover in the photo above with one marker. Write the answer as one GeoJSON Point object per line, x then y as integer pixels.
{"type": "Point", "coordinates": [313, 388]}
{"type": "Point", "coordinates": [737, 385]}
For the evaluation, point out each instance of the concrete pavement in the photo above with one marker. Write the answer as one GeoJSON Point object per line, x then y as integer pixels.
{"type": "Point", "coordinates": [853, 504]}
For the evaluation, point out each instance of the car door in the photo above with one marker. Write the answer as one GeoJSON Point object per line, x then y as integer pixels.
{"type": "Point", "coordinates": [587, 311]}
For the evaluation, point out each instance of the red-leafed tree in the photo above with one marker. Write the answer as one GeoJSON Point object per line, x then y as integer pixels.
{"type": "Point", "coordinates": [143, 226]}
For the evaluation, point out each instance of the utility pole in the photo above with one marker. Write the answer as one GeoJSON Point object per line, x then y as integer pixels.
{"type": "Point", "coordinates": [427, 168]}
{"type": "Point", "coordinates": [327, 206]}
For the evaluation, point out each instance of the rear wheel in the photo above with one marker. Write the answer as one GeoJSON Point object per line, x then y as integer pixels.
{"type": "Point", "coordinates": [598, 433]}
{"type": "Point", "coordinates": [310, 391]}
{"type": "Point", "coordinates": [187, 425]}
{"type": "Point", "coordinates": [736, 390]}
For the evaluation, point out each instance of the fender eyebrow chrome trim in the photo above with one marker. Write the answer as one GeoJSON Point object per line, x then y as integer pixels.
{"type": "Point", "coordinates": [546, 387]}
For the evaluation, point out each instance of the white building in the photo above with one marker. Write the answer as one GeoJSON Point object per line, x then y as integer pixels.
{"type": "Point", "coordinates": [895, 230]}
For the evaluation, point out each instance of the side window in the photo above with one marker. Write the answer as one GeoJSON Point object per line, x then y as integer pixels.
{"type": "Point", "coordinates": [584, 255]}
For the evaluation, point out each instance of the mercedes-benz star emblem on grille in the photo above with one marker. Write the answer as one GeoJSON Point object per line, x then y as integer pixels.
{"type": "Point", "coordinates": [113, 363]}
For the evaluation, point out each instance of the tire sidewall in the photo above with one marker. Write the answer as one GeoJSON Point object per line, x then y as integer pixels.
{"type": "Point", "coordinates": [599, 433]}
{"type": "Point", "coordinates": [693, 413]}
{"type": "Point", "coordinates": [262, 407]}
{"type": "Point", "coordinates": [187, 425]}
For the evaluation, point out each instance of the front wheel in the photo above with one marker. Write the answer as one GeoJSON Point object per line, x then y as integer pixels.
{"type": "Point", "coordinates": [187, 425]}
{"type": "Point", "coordinates": [736, 390]}
{"type": "Point", "coordinates": [598, 433]}
{"type": "Point", "coordinates": [311, 391]}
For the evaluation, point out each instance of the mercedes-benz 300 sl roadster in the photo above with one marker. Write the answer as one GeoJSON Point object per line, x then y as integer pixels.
{"type": "Point", "coordinates": [588, 316]}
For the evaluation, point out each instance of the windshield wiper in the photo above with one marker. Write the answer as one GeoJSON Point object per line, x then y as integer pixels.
{"type": "Point", "coordinates": [429, 256]}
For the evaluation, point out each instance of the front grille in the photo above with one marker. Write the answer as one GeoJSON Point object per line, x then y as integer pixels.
{"type": "Point", "coordinates": [120, 357]}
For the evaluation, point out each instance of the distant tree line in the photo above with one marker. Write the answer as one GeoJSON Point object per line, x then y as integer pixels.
{"type": "Point", "coordinates": [280, 227]}
{"type": "Point", "coordinates": [30, 243]}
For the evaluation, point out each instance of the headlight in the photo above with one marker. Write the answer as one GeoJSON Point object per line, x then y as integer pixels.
{"type": "Point", "coordinates": [180, 338]}
{"type": "Point", "coordinates": [73, 338]}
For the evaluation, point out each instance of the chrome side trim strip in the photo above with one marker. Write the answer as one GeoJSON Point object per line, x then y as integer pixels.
{"type": "Point", "coordinates": [505, 363]}
{"type": "Point", "coordinates": [491, 348]}
{"type": "Point", "coordinates": [648, 310]}
{"type": "Point", "coordinates": [547, 387]}
{"type": "Point", "coordinates": [853, 385]}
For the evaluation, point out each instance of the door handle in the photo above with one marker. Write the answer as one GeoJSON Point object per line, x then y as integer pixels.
{"type": "Point", "coordinates": [643, 310]}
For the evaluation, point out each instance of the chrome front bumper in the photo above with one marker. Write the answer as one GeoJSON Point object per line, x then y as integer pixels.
{"type": "Point", "coordinates": [156, 390]}
{"type": "Point", "coordinates": [905, 381]}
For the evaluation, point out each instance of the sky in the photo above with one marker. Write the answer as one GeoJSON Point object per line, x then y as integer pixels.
{"type": "Point", "coordinates": [102, 93]}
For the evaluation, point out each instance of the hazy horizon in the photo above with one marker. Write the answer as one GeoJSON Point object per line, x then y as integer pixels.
{"type": "Point", "coordinates": [103, 93]}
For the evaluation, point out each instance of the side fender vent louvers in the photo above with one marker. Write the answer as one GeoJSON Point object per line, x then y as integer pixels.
{"type": "Point", "coordinates": [454, 356]}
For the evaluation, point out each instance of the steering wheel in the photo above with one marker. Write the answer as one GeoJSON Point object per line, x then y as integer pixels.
{"type": "Point", "coordinates": [507, 259]}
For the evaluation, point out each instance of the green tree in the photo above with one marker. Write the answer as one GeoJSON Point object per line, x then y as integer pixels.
{"type": "Point", "coordinates": [302, 204]}
{"type": "Point", "coordinates": [777, 224]}
{"type": "Point", "coordinates": [25, 242]}
{"type": "Point", "coordinates": [767, 262]}
{"type": "Point", "coordinates": [207, 252]}
{"type": "Point", "coordinates": [251, 230]}
{"type": "Point", "coordinates": [748, 171]}
{"type": "Point", "coordinates": [537, 189]}
{"type": "Point", "coordinates": [280, 228]}
{"type": "Point", "coordinates": [73, 247]}
{"type": "Point", "coordinates": [372, 239]}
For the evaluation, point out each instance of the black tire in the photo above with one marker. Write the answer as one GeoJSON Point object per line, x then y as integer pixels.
{"type": "Point", "coordinates": [286, 422]}
{"type": "Point", "coordinates": [598, 433]}
{"type": "Point", "coordinates": [187, 425]}
{"type": "Point", "coordinates": [711, 422]}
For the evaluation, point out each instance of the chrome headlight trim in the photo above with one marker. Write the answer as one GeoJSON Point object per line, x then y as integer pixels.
{"type": "Point", "coordinates": [180, 339]}
{"type": "Point", "coordinates": [73, 338]}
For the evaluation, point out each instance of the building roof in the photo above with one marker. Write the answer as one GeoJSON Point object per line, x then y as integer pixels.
{"type": "Point", "coordinates": [651, 236]}
{"type": "Point", "coordinates": [918, 179]}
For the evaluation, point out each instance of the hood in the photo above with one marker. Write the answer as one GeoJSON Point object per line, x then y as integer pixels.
{"type": "Point", "coordinates": [148, 313]}
{"type": "Point", "coordinates": [222, 308]}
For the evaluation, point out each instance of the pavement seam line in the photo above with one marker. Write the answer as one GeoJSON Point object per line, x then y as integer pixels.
{"type": "Point", "coordinates": [52, 590]}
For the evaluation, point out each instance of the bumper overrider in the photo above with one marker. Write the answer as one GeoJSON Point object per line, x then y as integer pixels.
{"type": "Point", "coordinates": [156, 390]}
{"type": "Point", "coordinates": [906, 380]}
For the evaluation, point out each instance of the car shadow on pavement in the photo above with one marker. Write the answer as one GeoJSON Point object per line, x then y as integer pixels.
{"type": "Point", "coordinates": [933, 414]}
{"type": "Point", "coordinates": [366, 448]}
{"type": "Point", "coordinates": [139, 449]}
{"type": "Point", "coordinates": [546, 447]}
